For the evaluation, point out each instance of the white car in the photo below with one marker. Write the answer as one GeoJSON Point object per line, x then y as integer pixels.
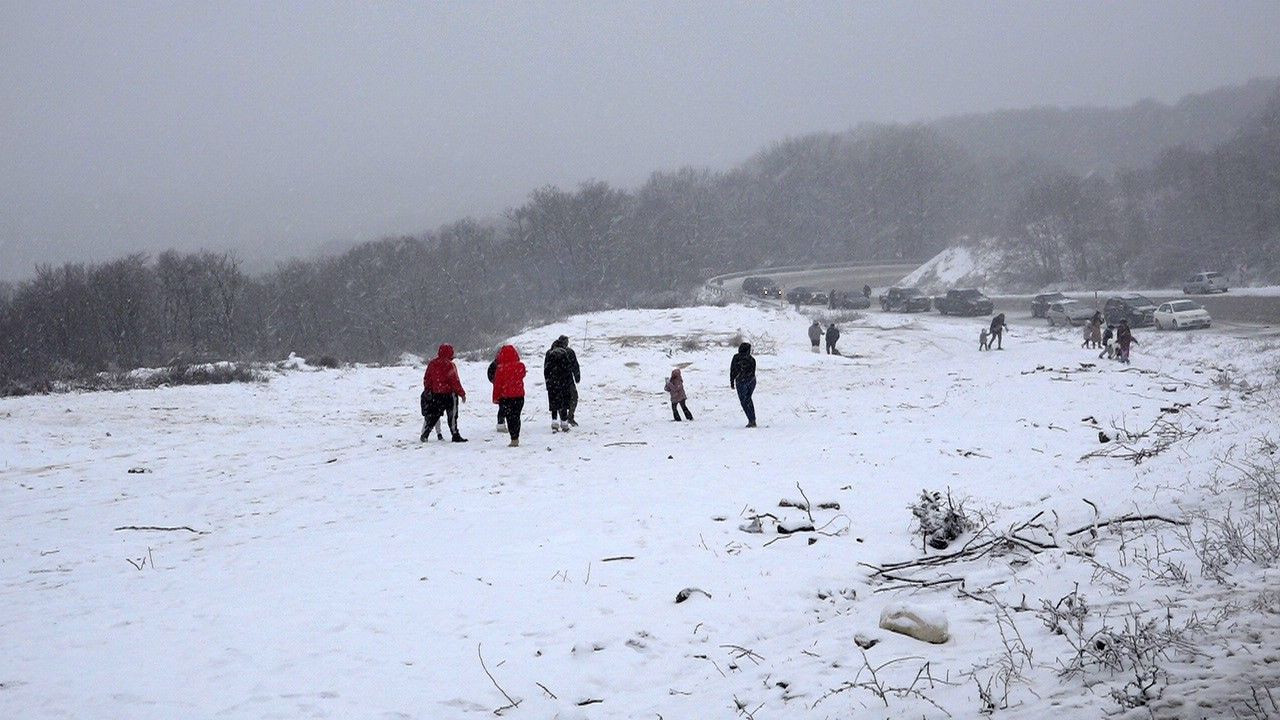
{"type": "Point", "coordinates": [1181, 314]}
{"type": "Point", "coordinates": [1068, 312]}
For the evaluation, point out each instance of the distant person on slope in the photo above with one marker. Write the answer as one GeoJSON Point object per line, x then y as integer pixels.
{"type": "Point", "coordinates": [508, 390]}
{"type": "Point", "coordinates": [1124, 338]}
{"type": "Point", "coordinates": [560, 371]}
{"type": "Point", "coordinates": [833, 337]}
{"type": "Point", "coordinates": [442, 390]}
{"type": "Point", "coordinates": [742, 377]}
{"type": "Point", "coordinates": [866, 291]}
{"type": "Point", "coordinates": [997, 329]}
{"type": "Point", "coordinates": [675, 388]}
{"type": "Point", "coordinates": [1095, 330]}
{"type": "Point", "coordinates": [815, 335]}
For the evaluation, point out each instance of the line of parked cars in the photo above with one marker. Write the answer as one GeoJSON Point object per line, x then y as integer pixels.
{"type": "Point", "coordinates": [1056, 308]}
{"type": "Point", "coordinates": [1140, 311]}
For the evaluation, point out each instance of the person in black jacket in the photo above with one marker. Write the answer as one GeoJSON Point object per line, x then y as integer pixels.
{"type": "Point", "coordinates": [502, 420]}
{"type": "Point", "coordinates": [742, 377]}
{"type": "Point", "coordinates": [998, 326]}
{"type": "Point", "coordinates": [560, 371]}
{"type": "Point", "coordinates": [833, 337]}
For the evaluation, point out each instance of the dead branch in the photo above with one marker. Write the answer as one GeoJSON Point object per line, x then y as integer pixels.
{"type": "Point", "coordinates": [511, 702]}
{"type": "Point", "coordinates": [161, 529]}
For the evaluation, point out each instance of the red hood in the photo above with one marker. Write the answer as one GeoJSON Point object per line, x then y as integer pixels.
{"type": "Point", "coordinates": [508, 354]}
{"type": "Point", "coordinates": [446, 352]}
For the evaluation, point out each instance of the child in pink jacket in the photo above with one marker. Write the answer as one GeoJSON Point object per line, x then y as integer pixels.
{"type": "Point", "coordinates": [675, 387]}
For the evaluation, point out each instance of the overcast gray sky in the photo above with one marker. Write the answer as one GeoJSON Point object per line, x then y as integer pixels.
{"type": "Point", "coordinates": [274, 127]}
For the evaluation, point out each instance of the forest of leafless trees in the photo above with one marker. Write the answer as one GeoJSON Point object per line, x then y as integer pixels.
{"type": "Point", "coordinates": [877, 192]}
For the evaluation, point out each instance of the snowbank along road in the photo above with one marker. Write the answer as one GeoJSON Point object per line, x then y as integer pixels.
{"type": "Point", "coordinates": [290, 549]}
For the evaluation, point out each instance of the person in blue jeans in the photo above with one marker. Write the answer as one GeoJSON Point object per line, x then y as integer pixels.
{"type": "Point", "coordinates": [742, 377]}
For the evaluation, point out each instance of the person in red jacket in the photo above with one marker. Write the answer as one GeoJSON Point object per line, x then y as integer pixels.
{"type": "Point", "coordinates": [441, 391]}
{"type": "Point", "coordinates": [508, 390]}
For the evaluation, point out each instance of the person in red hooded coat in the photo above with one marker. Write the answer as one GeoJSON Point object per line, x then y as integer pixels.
{"type": "Point", "coordinates": [508, 390]}
{"type": "Point", "coordinates": [441, 391]}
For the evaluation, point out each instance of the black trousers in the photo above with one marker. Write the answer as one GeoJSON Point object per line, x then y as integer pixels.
{"type": "Point", "coordinates": [681, 404]}
{"type": "Point", "coordinates": [435, 405]}
{"type": "Point", "coordinates": [510, 408]}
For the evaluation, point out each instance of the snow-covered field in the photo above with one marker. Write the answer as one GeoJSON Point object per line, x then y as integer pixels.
{"type": "Point", "coordinates": [332, 566]}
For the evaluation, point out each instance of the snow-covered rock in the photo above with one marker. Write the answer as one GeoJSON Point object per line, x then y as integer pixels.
{"type": "Point", "coordinates": [916, 621]}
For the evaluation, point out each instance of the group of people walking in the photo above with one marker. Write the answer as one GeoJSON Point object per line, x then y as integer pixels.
{"type": "Point", "coordinates": [442, 391]}
{"type": "Point", "coordinates": [832, 334]}
{"type": "Point", "coordinates": [1114, 342]}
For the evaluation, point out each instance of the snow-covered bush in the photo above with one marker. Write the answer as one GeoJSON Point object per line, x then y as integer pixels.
{"type": "Point", "coordinates": [939, 518]}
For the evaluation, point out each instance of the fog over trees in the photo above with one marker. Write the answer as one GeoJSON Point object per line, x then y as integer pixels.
{"type": "Point", "coordinates": [1142, 195]}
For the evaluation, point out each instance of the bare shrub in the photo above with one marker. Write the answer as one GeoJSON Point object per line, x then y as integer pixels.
{"type": "Point", "coordinates": [1251, 535]}
{"type": "Point", "coordinates": [692, 344]}
{"type": "Point", "coordinates": [325, 361]}
{"type": "Point", "coordinates": [1137, 649]}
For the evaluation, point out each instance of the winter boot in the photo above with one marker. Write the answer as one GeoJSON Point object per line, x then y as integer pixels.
{"type": "Point", "coordinates": [564, 426]}
{"type": "Point", "coordinates": [515, 442]}
{"type": "Point", "coordinates": [458, 438]}
{"type": "Point", "coordinates": [555, 426]}
{"type": "Point", "coordinates": [426, 432]}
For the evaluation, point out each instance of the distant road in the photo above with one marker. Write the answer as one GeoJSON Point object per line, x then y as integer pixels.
{"type": "Point", "coordinates": [878, 275]}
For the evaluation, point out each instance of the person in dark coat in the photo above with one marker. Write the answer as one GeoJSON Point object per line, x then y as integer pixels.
{"type": "Point", "coordinates": [815, 334]}
{"type": "Point", "coordinates": [441, 391]}
{"type": "Point", "coordinates": [508, 389]}
{"type": "Point", "coordinates": [833, 337]}
{"type": "Point", "coordinates": [866, 291]}
{"type": "Point", "coordinates": [997, 329]}
{"type": "Point", "coordinates": [1107, 350]}
{"type": "Point", "coordinates": [560, 371]}
{"type": "Point", "coordinates": [742, 377]}
{"type": "Point", "coordinates": [493, 368]}
{"type": "Point", "coordinates": [1124, 338]}
{"type": "Point", "coordinates": [675, 388]}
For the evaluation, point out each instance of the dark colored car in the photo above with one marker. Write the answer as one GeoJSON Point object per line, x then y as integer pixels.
{"type": "Point", "coordinates": [905, 300]}
{"type": "Point", "coordinates": [848, 300]}
{"type": "Point", "coordinates": [1040, 303]}
{"type": "Point", "coordinates": [761, 287]}
{"type": "Point", "coordinates": [1138, 310]}
{"type": "Point", "coordinates": [964, 302]}
{"type": "Point", "coordinates": [806, 296]}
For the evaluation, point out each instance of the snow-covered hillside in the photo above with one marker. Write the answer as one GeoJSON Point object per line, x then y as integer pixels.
{"type": "Point", "coordinates": [327, 564]}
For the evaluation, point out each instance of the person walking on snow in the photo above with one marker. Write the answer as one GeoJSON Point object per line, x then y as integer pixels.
{"type": "Point", "coordinates": [742, 377]}
{"type": "Point", "coordinates": [833, 337]}
{"type": "Point", "coordinates": [998, 326]}
{"type": "Point", "coordinates": [560, 371]}
{"type": "Point", "coordinates": [493, 368]}
{"type": "Point", "coordinates": [675, 387]}
{"type": "Point", "coordinates": [1095, 330]}
{"type": "Point", "coordinates": [815, 334]}
{"type": "Point", "coordinates": [508, 389]}
{"type": "Point", "coordinates": [441, 391]}
{"type": "Point", "coordinates": [1124, 338]}
{"type": "Point", "coordinates": [1108, 347]}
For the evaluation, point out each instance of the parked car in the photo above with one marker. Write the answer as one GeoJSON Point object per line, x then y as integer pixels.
{"type": "Point", "coordinates": [848, 300]}
{"type": "Point", "coordinates": [905, 300]}
{"type": "Point", "coordinates": [1181, 314]}
{"type": "Point", "coordinates": [1069, 312]}
{"type": "Point", "coordinates": [1040, 303]}
{"type": "Point", "coordinates": [806, 296]}
{"type": "Point", "coordinates": [1203, 283]}
{"type": "Point", "coordinates": [1137, 309]}
{"type": "Point", "coordinates": [964, 302]}
{"type": "Point", "coordinates": [761, 287]}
